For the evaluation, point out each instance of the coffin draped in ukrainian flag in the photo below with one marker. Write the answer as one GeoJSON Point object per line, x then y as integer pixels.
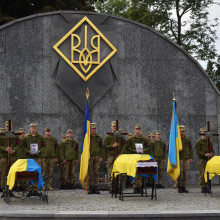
{"type": "Point", "coordinates": [21, 165]}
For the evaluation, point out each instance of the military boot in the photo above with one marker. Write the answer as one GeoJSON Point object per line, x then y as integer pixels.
{"type": "Point", "coordinates": [90, 190]}
{"type": "Point", "coordinates": [185, 190]}
{"type": "Point", "coordinates": [95, 190]}
{"type": "Point", "coordinates": [203, 189]}
{"type": "Point", "coordinates": [180, 189]}
{"type": "Point", "coordinates": [3, 195]}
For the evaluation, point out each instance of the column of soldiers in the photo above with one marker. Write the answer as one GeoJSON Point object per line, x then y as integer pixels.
{"type": "Point", "coordinates": [66, 155]}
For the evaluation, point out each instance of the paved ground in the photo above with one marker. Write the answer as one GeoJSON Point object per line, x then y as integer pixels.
{"type": "Point", "coordinates": [77, 200]}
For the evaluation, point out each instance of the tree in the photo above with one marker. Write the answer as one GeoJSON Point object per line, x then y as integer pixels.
{"type": "Point", "coordinates": [13, 9]}
{"type": "Point", "coordinates": [184, 21]}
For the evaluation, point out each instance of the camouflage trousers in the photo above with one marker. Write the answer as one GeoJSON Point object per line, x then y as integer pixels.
{"type": "Point", "coordinates": [61, 174]}
{"type": "Point", "coordinates": [93, 171]}
{"type": "Point", "coordinates": [184, 170]}
{"type": "Point", "coordinates": [69, 172]}
{"type": "Point", "coordinates": [201, 166]}
{"type": "Point", "coordinates": [48, 168]}
{"type": "Point", "coordinates": [110, 162]}
{"type": "Point", "coordinates": [160, 170]}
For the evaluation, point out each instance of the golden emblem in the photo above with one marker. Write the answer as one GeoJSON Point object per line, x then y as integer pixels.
{"type": "Point", "coordinates": [85, 55]}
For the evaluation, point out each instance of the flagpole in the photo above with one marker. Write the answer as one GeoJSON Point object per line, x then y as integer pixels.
{"type": "Point", "coordinates": [87, 98]}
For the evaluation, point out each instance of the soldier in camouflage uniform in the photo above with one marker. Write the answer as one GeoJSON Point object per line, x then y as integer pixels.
{"type": "Point", "coordinates": [96, 156]}
{"type": "Point", "coordinates": [203, 157]}
{"type": "Point", "coordinates": [110, 146]}
{"type": "Point", "coordinates": [19, 150]}
{"type": "Point", "coordinates": [70, 157]}
{"type": "Point", "coordinates": [137, 138]}
{"type": "Point", "coordinates": [5, 150]}
{"type": "Point", "coordinates": [185, 156]}
{"type": "Point", "coordinates": [158, 152]}
{"type": "Point", "coordinates": [152, 137]}
{"type": "Point", "coordinates": [49, 156]}
{"type": "Point", "coordinates": [61, 165]}
{"type": "Point", "coordinates": [148, 136]}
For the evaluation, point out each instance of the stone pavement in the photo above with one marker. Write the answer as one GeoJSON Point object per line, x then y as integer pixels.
{"type": "Point", "coordinates": [168, 200]}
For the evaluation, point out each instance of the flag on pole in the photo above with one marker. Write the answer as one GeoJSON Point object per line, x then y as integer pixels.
{"type": "Point", "coordinates": [85, 152]}
{"type": "Point", "coordinates": [175, 145]}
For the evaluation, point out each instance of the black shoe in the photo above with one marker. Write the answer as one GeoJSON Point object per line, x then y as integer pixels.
{"type": "Point", "coordinates": [3, 195]}
{"type": "Point", "coordinates": [139, 189]}
{"type": "Point", "coordinates": [208, 191]}
{"type": "Point", "coordinates": [90, 190]}
{"type": "Point", "coordinates": [95, 190]}
{"type": "Point", "coordinates": [160, 186]}
{"type": "Point", "coordinates": [135, 190]}
{"type": "Point", "coordinates": [185, 190]}
{"type": "Point", "coordinates": [29, 194]}
{"type": "Point", "coordinates": [11, 194]}
{"type": "Point", "coordinates": [180, 189]}
{"type": "Point", "coordinates": [203, 189]}
{"type": "Point", "coordinates": [61, 187]}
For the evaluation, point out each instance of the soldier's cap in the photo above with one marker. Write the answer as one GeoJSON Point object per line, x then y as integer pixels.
{"type": "Point", "coordinates": [47, 129]}
{"type": "Point", "coordinates": [152, 134]}
{"type": "Point", "coordinates": [158, 132]}
{"type": "Point", "coordinates": [121, 130]}
{"type": "Point", "coordinates": [182, 128]}
{"type": "Point", "coordinates": [203, 130]}
{"type": "Point", "coordinates": [147, 134]}
{"type": "Point", "coordinates": [6, 124]}
{"type": "Point", "coordinates": [137, 126]}
{"type": "Point", "coordinates": [69, 130]}
{"type": "Point", "coordinates": [129, 134]}
{"type": "Point", "coordinates": [21, 130]}
{"type": "Point", "coordinates": [113, 123]}
{"type": "Point", "coordinates": [63, 135]}
{"type": "Point", "coordinates": [93, 125]}
{"type": "Point", "coordinates": [33, 125]}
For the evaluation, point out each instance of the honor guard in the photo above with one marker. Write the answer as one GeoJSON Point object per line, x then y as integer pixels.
{"type": "Point", "coordinates": [158, 152]}
{"type": "Point", "coordinates": [96, 156]}
{"type": "Point", "coordinates": [203, 155]}
{"type": "Point", "coordinates": [61, 166]}
{"type": "Point", "coordinates": [152, 137]}
{"type": "Point", "coordinates": [147, 135]}
{"type": "Point", "coordinates": [110, 144]}
{"type": "Point", "coordinates": [20, 151]}
{"type": "Point", "coordinates": [185, 156]}
{"type": "Point", "coordinates": [70, 157]}
{"type": "Point", "coordinates": [131, 147]}
{"type": "Point", "coordinates": [49, 156]}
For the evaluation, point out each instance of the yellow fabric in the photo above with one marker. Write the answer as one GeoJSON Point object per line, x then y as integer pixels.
{"type": "Point", "coordinates": [19, 166]}
{"type": "Point", "coordinates": [84, 163]}
{"type": "Point", "coordinates": [126, 163]}
{"type": "Point", "coordinates": [213, 167]}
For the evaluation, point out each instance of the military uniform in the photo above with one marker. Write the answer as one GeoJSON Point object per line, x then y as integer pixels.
{"type": "Point", "coordinates": [131, 149]}
{"type": "Point", "coordinates": [96, 152]}
{"type": "Point", "coordinates": [202, 149]}
{"type": "Point", "coordinates": [111, 153]}
{"type": "Point", "coordinates": [61, 165]}
{"type": "Point", "coordinates": [158, 152]}
{"type": "Point", "coordinates": [20, 151]}
{"type": "Point", "coordinates": [69, 153]}
{"type": "Point", "coordinates": [184, 156]}
{"type": "Point", "coordinates": [48, 155]}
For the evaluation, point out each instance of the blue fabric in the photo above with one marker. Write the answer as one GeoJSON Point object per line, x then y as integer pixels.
{"type": "Point", "coordinates": [33, 166]}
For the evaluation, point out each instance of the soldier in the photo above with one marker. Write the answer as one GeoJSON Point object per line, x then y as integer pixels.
{"type": "Point", "coordinates": [185, 156]}
{"type": "Point", "coordinates": [152, 137]}
{"type": "Point", "coordinates": [20, 151]}
{"type": "Point", "coordinates": [96, 155]}
{"type": "Point", "coordinates": [148, 137]}
{"type": "Point", "coordinates": [5, 150]}
{"type": "Point", "coordinates": [61, 166]}
{"type": "Point", "coordinates": [203, 157]}
{"type": "Point", "coordinates": [131, 147]}
{"type": "Point", "coordinates": [36, 141]}
{"type": "Point", "coordinates": [110, 145]}
{"type": "Point", "coordinates": [70, 155]}
{"type": "Point", "coordinates": [158, 152]}
{"type": "Point", "coordinates": [49, 156]}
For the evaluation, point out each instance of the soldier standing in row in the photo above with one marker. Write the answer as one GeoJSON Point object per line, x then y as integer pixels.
{"type": "Point", "coordinates": [131, 148]}
{"type": "Point", "coordinates": [61, 165]}
{"type": "Point", "coordinates": [19, 150]}
{"type": "Point", "coordinates": [203, 157]}
{"type": "Point", "coordinates": [110, 146]}
{"type": "Point", "coordinates": [152, 137]}
{"type": "Point", "coordinates": [70, 155]}
{"type": "Point", "coordinates": [158, 152]}
{"type": "Point", "coordinates": [185, 156]}
{"type": "Point", "coordinates": [96, 156]}
{"type": "Point", "coordinates": [49, 156]}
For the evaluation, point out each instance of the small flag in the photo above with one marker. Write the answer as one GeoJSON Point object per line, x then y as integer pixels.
{"type": "Point", "coordinates": [175, 145]}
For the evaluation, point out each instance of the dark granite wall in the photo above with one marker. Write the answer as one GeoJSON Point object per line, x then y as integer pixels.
{"type": "Point", "coordinates": [150, 68]}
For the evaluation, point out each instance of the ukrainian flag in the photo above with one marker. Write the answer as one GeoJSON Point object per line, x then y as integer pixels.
{"type": "Point", "coordinates": [85, 152]}
{"type": "Point", "coordinates": [175, 145]}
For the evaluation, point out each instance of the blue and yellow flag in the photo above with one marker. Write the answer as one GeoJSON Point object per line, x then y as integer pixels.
{"type": "Point", "coordinates": [85, 152]}
{"type": "Point", "coordinates": [175, 145]}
